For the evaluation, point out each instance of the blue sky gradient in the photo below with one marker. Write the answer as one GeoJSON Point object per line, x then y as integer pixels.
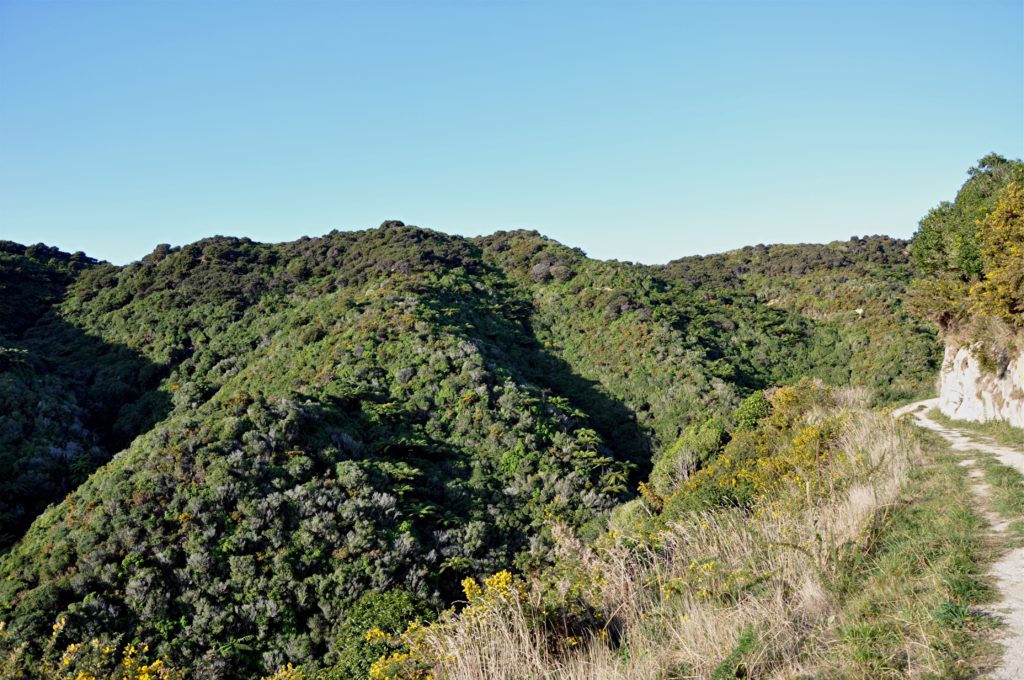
{"type": "Point", "coordinates": [638, 131]}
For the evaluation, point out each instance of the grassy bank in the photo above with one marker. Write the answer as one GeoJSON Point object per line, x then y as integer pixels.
{"type": "Point", "coordinates": [909, 604]}
{"type": "Point", "coordinates": [1007, 499]}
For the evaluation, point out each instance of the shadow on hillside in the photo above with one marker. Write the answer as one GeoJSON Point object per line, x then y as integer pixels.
{"type": "Point", "coordinates": [72, 400]}
{"type": "Point", "coordinates": [508, 340]}
{"type": "Point", "coordinates": [434, 485]}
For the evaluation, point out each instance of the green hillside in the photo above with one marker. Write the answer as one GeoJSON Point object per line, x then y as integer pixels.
{"type": "Point", "coordinates": [254, 449]}
{"type": "Point", "coordinates": [851, 295]}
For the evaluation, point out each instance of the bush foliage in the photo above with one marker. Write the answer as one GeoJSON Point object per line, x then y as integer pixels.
{"type": "Point", "coordinates": [970, 253]}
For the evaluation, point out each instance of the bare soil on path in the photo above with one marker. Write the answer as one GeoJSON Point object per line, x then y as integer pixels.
{"type": "Point", "coordinates": [1008, 572]}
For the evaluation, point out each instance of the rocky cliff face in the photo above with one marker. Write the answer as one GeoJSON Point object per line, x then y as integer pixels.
{"type": "Point", "coordinates": [966, 392]}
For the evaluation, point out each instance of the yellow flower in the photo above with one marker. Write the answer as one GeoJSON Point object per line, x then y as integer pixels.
{"type": "Point", "coordinates": [375, 635]}
{"type": "Point", "coordinates": [471, 588]}
{"type": "Point", "coordinates": [59, 626]}
{"type": "Point", "coordinates": [499, 584]}
{"type": "Point", "coordinates": [288, 672]}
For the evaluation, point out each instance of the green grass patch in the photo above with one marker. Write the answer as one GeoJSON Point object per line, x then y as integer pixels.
{"type": "Point", "coordinates": [909, 604]}
{"type": "Point", "coordinates": [999, 430]}
{"type": "Point", "coordinates": [1007, 486]}
{"type": "Point", "coordinates": [733, 667]}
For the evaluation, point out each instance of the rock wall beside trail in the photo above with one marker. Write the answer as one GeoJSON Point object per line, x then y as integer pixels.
{"type": "Point", "coordinates": [967, 392]}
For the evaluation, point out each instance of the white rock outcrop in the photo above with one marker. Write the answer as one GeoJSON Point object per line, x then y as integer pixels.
{"type": "Point", "coordinates": [966, 392]}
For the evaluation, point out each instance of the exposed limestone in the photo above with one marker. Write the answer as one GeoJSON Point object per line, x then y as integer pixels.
{"type": "Point", "coordinates": [967, 392]}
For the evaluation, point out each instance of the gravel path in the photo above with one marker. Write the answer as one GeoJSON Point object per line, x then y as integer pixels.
{"type": "Point", "coordinates": [1008, 572]}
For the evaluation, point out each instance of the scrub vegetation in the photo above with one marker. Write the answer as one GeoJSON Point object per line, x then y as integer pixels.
{"type": "Point", "coordinates": [969, 255]}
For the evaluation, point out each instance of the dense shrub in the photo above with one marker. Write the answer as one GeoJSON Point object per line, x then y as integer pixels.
{"type": "Point", "coordinates": [971, 257]}
{"type": "Point", "coordinates": [1000, 293]}
{"type": "Point", "coordinates": [753, 409]}
{"type": "Point", "coordinates": [947, 240]}
{"type": "Point", "coordinates": [692, 451]}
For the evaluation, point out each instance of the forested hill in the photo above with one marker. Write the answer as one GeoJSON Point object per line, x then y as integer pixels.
{"type": "Point", "coordinates": [255, 449]}
{"type": "Point", "coordinates": [852, 291]}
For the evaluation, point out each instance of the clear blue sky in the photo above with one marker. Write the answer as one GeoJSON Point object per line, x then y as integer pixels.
{"type": "Point", "coordinates": [636, 130]}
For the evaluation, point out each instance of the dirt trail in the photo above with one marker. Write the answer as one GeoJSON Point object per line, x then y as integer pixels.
{"type": "Point", "coordinates": [1008, 572]}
